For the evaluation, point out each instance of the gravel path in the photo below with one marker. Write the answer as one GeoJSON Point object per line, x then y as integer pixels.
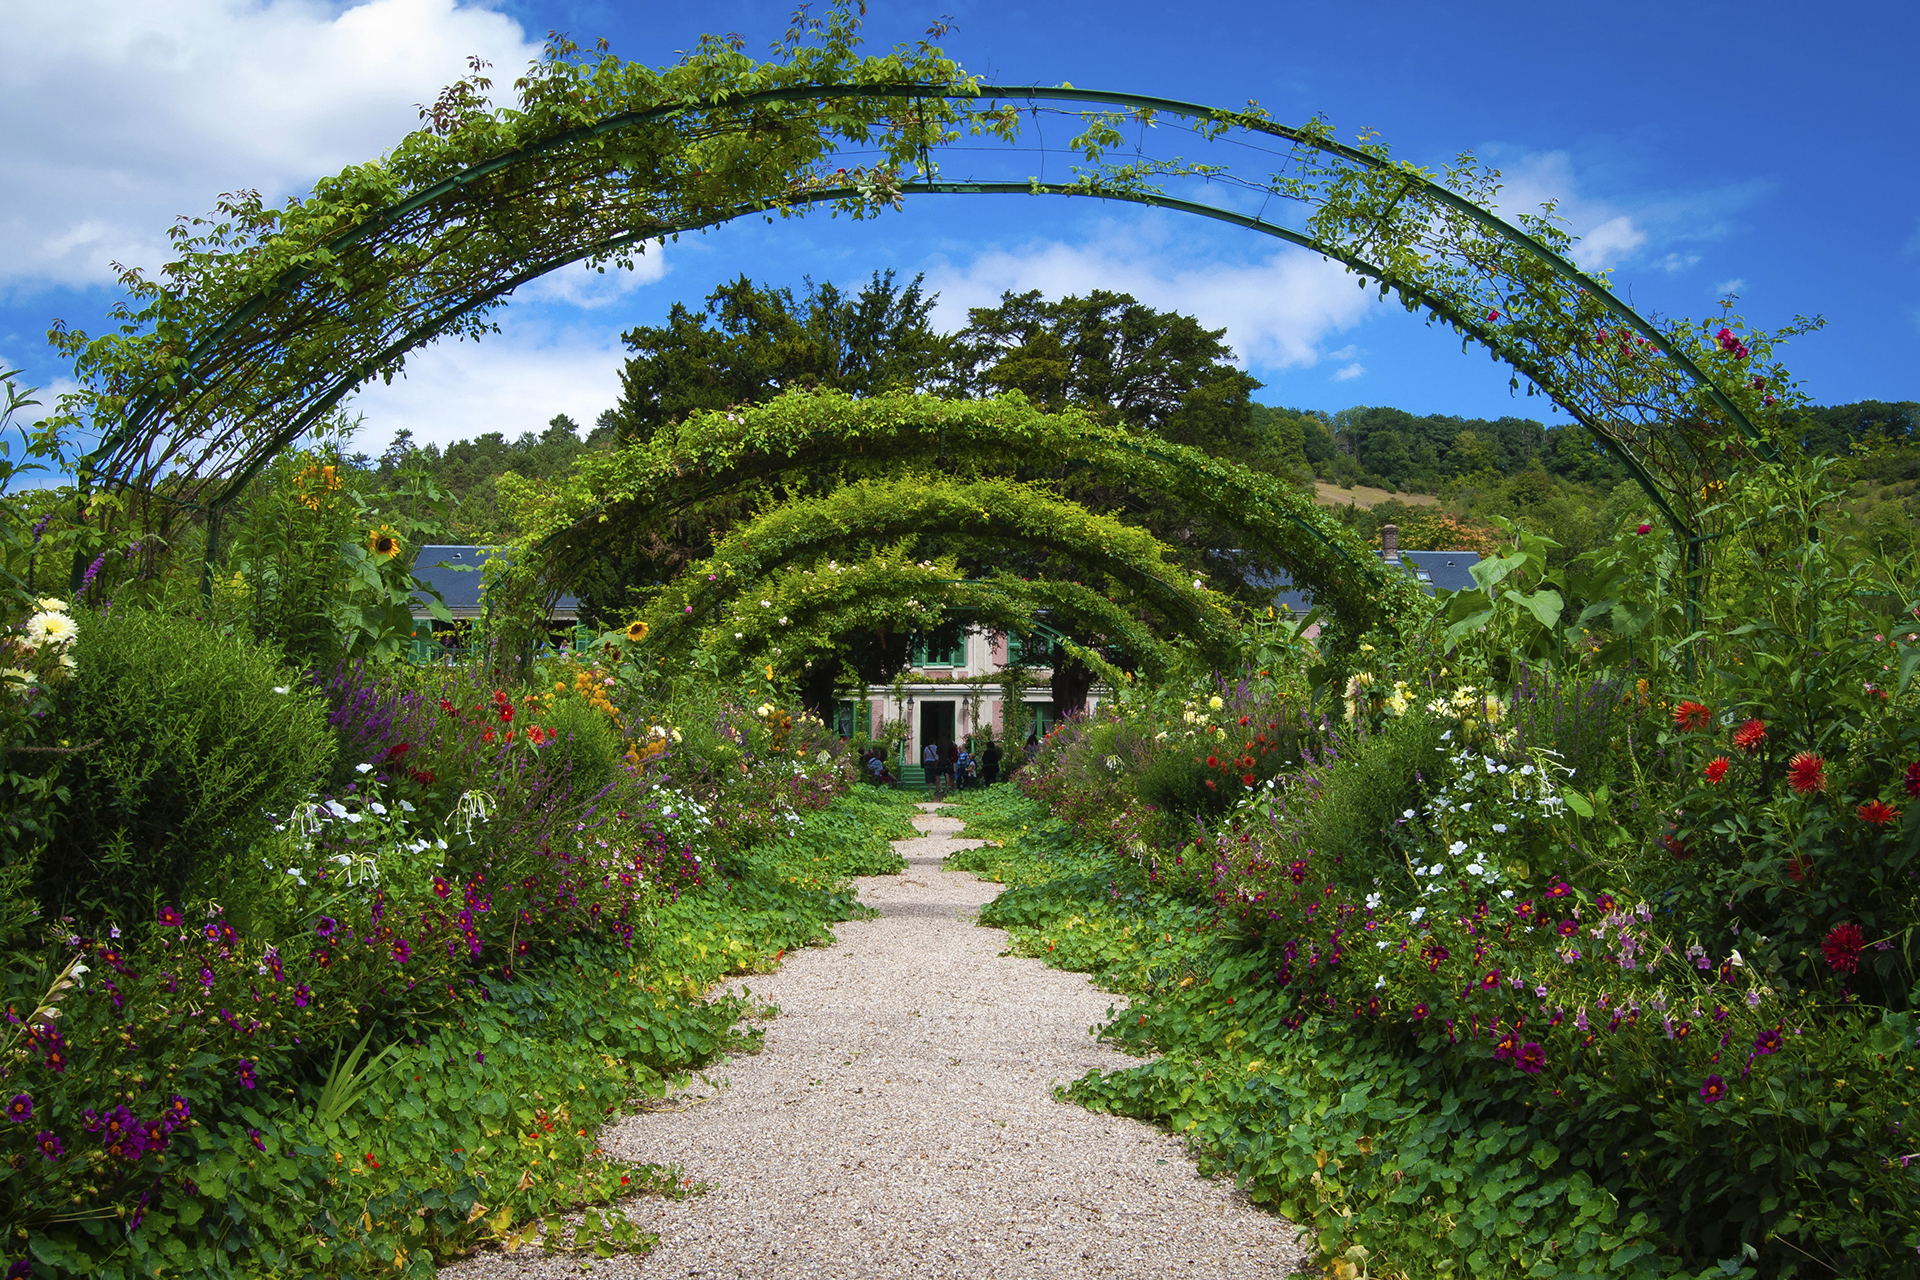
{"type": "Point", "coordinates": [900, 1122]}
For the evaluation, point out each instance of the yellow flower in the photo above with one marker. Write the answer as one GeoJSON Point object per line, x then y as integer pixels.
{"type": "Point", "coordinates": [384, 543]}
{"type": "Point", "coordinates": [637, 631]}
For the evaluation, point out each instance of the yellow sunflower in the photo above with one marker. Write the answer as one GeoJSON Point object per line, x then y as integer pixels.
{"type": "Point", "coordinates": [384, 543]}
{"type": "Point", "coordinates": [637, 631]}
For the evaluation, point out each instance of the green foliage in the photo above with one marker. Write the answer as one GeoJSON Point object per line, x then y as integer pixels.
{"type": "Point", "coordinates": [401, 1125]}
{"type": "Point", "coordinates": [190, 741]}
{"type": "Point", "coordinates": [585, 749]}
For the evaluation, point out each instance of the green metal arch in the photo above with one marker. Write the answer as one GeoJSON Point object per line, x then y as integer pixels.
{"type": "Point", "coordinates": [690, 599]}
{"type": "Point", "coordinates": [142, 418]}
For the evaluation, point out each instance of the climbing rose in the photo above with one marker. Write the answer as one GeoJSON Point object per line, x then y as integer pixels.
{"type": "Point", "coordinates": [1878, 812]}
{"type": "Point", "coordinates": [1843, 947]}
{"type": "Point", "coordinates": [1689, 716]}
{"type": "Point", "coordinates": [1644, 529]}
{"type": "Point", "coordinates": [1716, 769]}
{"type": "Point", "coordinates": [1750, 735]}
{"type": "Point", "coordinates": [1807, 772]}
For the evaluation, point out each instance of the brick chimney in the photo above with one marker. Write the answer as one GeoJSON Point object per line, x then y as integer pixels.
{"type": "Point", "coordinates": [1390, 543]}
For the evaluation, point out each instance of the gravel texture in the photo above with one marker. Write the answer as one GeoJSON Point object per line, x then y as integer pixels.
{"type": "Point", "coordinates": [900, 1122]}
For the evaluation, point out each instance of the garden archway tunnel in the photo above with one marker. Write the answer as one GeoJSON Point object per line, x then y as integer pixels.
{"type": "Point", "coordinates": [272, 317]}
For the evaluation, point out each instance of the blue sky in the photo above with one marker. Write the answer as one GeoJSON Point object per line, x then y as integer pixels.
{"type": "Point", "coordinates": [1765, 148]}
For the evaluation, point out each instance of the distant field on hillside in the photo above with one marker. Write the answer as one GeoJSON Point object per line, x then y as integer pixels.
{"type": "Point", "coordinates": [1366, 497]}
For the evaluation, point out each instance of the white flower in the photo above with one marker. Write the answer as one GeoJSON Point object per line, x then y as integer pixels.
{"type": "Point", "coordinates": [1474, 869]}
{"type": "Point", "coordinates": [1506, 893]}
{"type": "Point", "coordinates": [676, 735]}
{"type": "Point", "coordinates": [783, 619]}
{"type": "Point", "coordinates": [1373, 902]}
{"type": "Point", "coordinates": [1457, 848]}
{"type": "Point", "coordinates": [766, 604]}
{"type": "Point", "coordinates": [737, 635]}
{"type": "Point", "coordinates": [280, 688]}
{"type": "Point", "coordinates": [378, 808]}
{"type": "Point", "coordinates": [51, 604]}
{"type": "Point", "coordinates": [1501, 827]}
{"type": "Point", "coordinates": [1215, 702]}
{"type": "Point", "coordinates": [49, 628]}
{"type": "Point", "coordinates": [1407, 814]}
{"type": "Point", "coordinates": [1380, 981]}
{"type": "Point", "coordinates": [14, 675]}
{"type": "Point", "coordinates": [1197, 586]}
{"type": "Point", "coordinates": [363, 768]}
{"type": "Point", "coordinates": [1416, 915]}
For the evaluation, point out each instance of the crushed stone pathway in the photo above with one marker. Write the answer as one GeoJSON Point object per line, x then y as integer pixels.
{"type": "Point", "coordinates": [900, 1121]}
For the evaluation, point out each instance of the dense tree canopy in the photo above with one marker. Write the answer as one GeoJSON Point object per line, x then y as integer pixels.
{"type": "Point", "coordinates": [753, 341]}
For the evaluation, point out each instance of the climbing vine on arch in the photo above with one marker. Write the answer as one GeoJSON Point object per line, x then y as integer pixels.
{"type": "Point", "coordinates": [268, 317]}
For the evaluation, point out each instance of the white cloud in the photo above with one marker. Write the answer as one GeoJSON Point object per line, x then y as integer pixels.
{"type": "Point", "coordinates": [1607, 235]}
{"type": "Point", "coordinates": [1276, 310]}
{"type": "Point", "coordinates": [1349, 373]}
{"type": "Point", "coordinates": [509, 382]}
{"type": "Point", "coordinates": [589, 288]}
{"type": "Point", "coordinates": [1734, 285]}
{"type": "Point", "coordinates": [121, 116]}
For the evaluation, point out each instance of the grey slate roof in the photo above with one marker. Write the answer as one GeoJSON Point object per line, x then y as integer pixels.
{"type": "Point", "coordinates": [443, 567]}
{"type": "Point", "coordinates": [1436, 571]}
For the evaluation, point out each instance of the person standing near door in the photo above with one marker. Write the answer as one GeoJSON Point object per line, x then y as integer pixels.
{"type": "Point", "coordinates": [930, 765]}
{"type": "Point", "coordinates": [990, 763]}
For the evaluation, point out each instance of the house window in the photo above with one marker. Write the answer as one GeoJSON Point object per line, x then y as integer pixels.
{"type": "Point", "coordinates": [946, 647]}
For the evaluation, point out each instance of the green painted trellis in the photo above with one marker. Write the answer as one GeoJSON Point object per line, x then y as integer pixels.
{"type": "Point", "coordinates": [271, 319]}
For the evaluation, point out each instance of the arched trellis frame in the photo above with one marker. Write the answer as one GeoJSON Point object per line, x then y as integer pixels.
{"type": "Point", "coordinates": [271, 317]}
{"type": "Point", "coordinates": [814, 604]}
{"type": "Point", "coordinates": [990, 512]}
{"type": "Point", "coordinates": [796, 437]}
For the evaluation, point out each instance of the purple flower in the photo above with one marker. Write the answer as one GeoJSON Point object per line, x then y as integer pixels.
{"type": "Point", "coordinates": [1767, 1041]}
{"type": "Point", "coordinates": [253, 1136]}
{"type": "Point", "coordinates": [1714, 1089]}
{"type": "Point", "coordinates": [171, 918]}
{"type": "Point", "coordinates": [325, 926]}
{"type": "Point", "coordinates": [401, 951]}
{"type": "Point", "coordinates": [1532, 1058]}
{"type": "Point", "coordinates": [177, 1112]}
{"type": "Point", "coordinates": [206, 977]}
{"type": "Point", "coordinates": [91, 1119]}
{"type": "Point", "coordinates": [49, 1144]}
{"type": "Point", "coordinates": [23, 1269]}
{"type": "Point", "coordinates": [302, 995]}
{"type": "Point", "coordinates": [20, 1109]}
{"type": "Point", "coordinates": [480, 1058]}
{"type": "Point", "coordinates": [245, 1072]}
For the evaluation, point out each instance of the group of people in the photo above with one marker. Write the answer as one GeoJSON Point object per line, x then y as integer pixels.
{"type": "Point", "coordinates": [948, 766]}
{"type": "Point", "coordinates": [953, 767]}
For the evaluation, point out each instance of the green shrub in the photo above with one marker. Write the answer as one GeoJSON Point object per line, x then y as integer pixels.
{"type": "Point", "coordinates": [1388, 774]}
{"type": "Point", "coordinates": [585, 750]}
{"type": "Point", "coordinates": [192, 742]}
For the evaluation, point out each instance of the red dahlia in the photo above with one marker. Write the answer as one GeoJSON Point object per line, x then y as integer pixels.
{"type": "Point", "coordinates": [1843, 946]}
{"type": "Point", "coordinates": [1807, 772]}
{"type": "Point", "coordinates": [1878, 812]}
{"type": "Point", "coordinates": [1750, 735]}
{"type": "Point", "coordinates": [1689, 716]}
{"type": "Point", "coordinates": [1716, 769]}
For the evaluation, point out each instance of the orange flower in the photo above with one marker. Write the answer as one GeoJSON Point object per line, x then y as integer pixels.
{"type": "Point", "coordinates": [1807, 772]}
{"type": "Point", "coordinates": [384, 543]}
{"type": "Point", "coordinates": [1689, 716]}
{"type": "Point", "coordinates": [1878, 812]}
{"type": "Point", "coordinates": [1716, 769]}
{"type": "Point", "coordinates": [1750, 735]}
